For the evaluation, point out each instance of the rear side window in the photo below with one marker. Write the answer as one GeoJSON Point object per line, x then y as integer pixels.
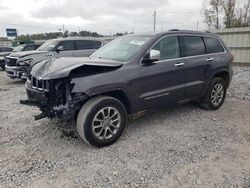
{"type": "Point", "coordinates": [67, 45]}
{"type": "Point", "coordinates": [213, 45]}
{"type": "Point", "coordinates": [192, 45]}
{"type": "Point", "coordinates": [83, 44]}
{"type": "Point", "coordinates": [96, 44]}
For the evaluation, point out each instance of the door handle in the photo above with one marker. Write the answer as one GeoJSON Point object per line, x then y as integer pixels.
{"type": "Point", "coordinates": [179, 64]}
{"type": "Point", "coordinates": [210, 59]}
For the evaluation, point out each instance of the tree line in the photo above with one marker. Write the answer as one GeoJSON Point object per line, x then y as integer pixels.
{"type": "Point", "coordinates": [226, 13]}
{"type": "Point", "coordinates": [53, 35]}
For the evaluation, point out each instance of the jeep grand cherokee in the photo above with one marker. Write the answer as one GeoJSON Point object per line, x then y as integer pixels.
{"type": "Point", "coordinates": [131, 74]}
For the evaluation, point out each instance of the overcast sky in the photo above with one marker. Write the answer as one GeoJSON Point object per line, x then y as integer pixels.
{"type": "Point", "coordinates": [102, 16]}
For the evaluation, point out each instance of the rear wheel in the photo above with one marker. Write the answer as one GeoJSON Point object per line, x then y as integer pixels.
{"type": "Point", "coordinates": [101, 121]}
{"type": "Point", "coordinates": [215, 95]}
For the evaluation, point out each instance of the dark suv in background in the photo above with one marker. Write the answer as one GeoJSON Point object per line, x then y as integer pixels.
{"type": "Point", "coordinates": [20, 48]}
{"type": "Point", "coordinates": [18, 65]}
{"type": "Point", "coordinates": [130, 75]}
{"type": "Point", "coordinates": [4, 51]}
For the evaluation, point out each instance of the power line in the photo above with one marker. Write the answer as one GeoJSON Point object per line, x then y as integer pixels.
{"type": "Point", "coordinates": [30, 26]}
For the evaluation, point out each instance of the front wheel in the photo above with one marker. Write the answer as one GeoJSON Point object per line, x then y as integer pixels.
{"type": "Point", "coordinates": [101, 121]}
{"type": "Point", "coordinates": [215, 95]}
{"type": "Point", "coordinates": [3, 67]}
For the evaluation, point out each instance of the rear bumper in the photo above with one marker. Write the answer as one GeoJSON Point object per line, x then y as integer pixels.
{"type": "Point", "coordinates": [16, 72]}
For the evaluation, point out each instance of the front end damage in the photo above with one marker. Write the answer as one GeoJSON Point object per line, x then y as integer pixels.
{"type": "Point", "coordinates": [53, 97]}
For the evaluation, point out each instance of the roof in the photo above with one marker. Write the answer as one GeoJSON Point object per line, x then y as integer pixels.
{"type": "Point", "coordinates": [175, 31]}
{"type": "Point", "coordinates": [76, 38]}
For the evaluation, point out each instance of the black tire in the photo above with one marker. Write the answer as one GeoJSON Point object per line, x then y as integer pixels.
{"type": "Point", "coordinates": [3, 67]}
{"type": "Point", "coordinates": [89, 112]}
{"type": "Point", "coordinates": [207, 102]}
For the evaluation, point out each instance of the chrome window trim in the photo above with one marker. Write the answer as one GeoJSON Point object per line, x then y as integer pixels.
{"type": "Point", "coordinates": [180, 58]}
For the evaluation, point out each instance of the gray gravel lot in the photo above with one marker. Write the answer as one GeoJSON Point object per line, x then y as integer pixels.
{"type": "Point", "coordinates": [177, 147]}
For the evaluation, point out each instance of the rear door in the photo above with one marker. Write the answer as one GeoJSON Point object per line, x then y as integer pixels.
{"type": "Point", "coordinates": [163, 82]}
{"type": "Point", "coordinates": [96, 44]}
{"type": "Point", "coordinates": [84, 48]}
{"type": "Point", "coordinates": [193, 50]}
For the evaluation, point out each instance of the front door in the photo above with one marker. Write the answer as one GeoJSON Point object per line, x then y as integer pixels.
{"type": "Point", "coordinates": [163, 81]}
{"type": "Point", "coordinates": [68, 49]}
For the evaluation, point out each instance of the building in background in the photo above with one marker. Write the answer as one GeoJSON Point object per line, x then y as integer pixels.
{"type": "Point", "coordinates": [238, 41]}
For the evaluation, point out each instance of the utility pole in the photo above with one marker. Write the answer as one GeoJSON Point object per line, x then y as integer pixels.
{"type": "Point", "coordinates": [197, 26]}
{"type": "Point", "coordinates": [154, 19]}
{"type": "Point", "coordinates": [63, 30]}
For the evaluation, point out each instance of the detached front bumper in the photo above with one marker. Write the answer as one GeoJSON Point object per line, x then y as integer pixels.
{"type": "Point", "coordinates": [35, 97]}
{"type": "Point", "coordinates": [16, 72]}
{"type": "Point", "coordinates": [46, 102]}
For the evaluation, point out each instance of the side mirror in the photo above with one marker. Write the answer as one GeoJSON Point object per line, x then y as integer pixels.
{"type": "Point", "coordinates": [152, 56]}
{"type": "Point", "coordinates": [59, 49]}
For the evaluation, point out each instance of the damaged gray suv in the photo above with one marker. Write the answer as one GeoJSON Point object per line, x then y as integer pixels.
{"type": "Point", "coordinates": [130, 75]}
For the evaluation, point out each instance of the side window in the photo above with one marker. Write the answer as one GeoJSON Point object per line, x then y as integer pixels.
{"type": "Point", "coordinates": [168, 47]}
{"type": "Point", "coordinates": [29, 48]}
{"type": "Point", "coordinates": [213, 45]}
{"type": "Point", "coordinates": [96, 44]}
{"type": "Point", "coordinates": [67, 45]}
{"type": "Point", "coordinates": [192, 45]}
{"type": "Point", "coordinates": [83, 44]}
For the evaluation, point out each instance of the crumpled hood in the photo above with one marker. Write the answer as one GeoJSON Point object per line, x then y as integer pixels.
{"type": "Point", "coordinates": [61, 67]}
{"type": "Point", "coordinates": [27, 53]}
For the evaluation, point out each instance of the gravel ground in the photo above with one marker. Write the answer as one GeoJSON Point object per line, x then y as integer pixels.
{"type": "Point", "coordinates": [177, 147]}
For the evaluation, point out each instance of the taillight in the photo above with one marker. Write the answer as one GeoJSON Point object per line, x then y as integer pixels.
{"type": "Point", "coordinates": [231, 60]}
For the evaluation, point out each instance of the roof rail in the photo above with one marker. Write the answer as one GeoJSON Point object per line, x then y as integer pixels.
{"type": "Point", "coordinates": [173, 30]}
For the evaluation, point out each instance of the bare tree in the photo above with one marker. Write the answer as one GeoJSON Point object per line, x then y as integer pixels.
{"type": "Point", "coordinates": [229, 7]}
{"type": "Point", "coordinates": [236, 13]}
{"type": "Point", "coordinates": [211, 13]}
{"type": "Point", "coordinates": [246, 16]}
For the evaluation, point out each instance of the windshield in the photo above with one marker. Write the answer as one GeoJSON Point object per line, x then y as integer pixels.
{"type": "Point", "coordinates": [19, 48]}
{"type": "Point", "coordinates": [48, 46]}
{"type": "Point", "coordinates": [121, 49]}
